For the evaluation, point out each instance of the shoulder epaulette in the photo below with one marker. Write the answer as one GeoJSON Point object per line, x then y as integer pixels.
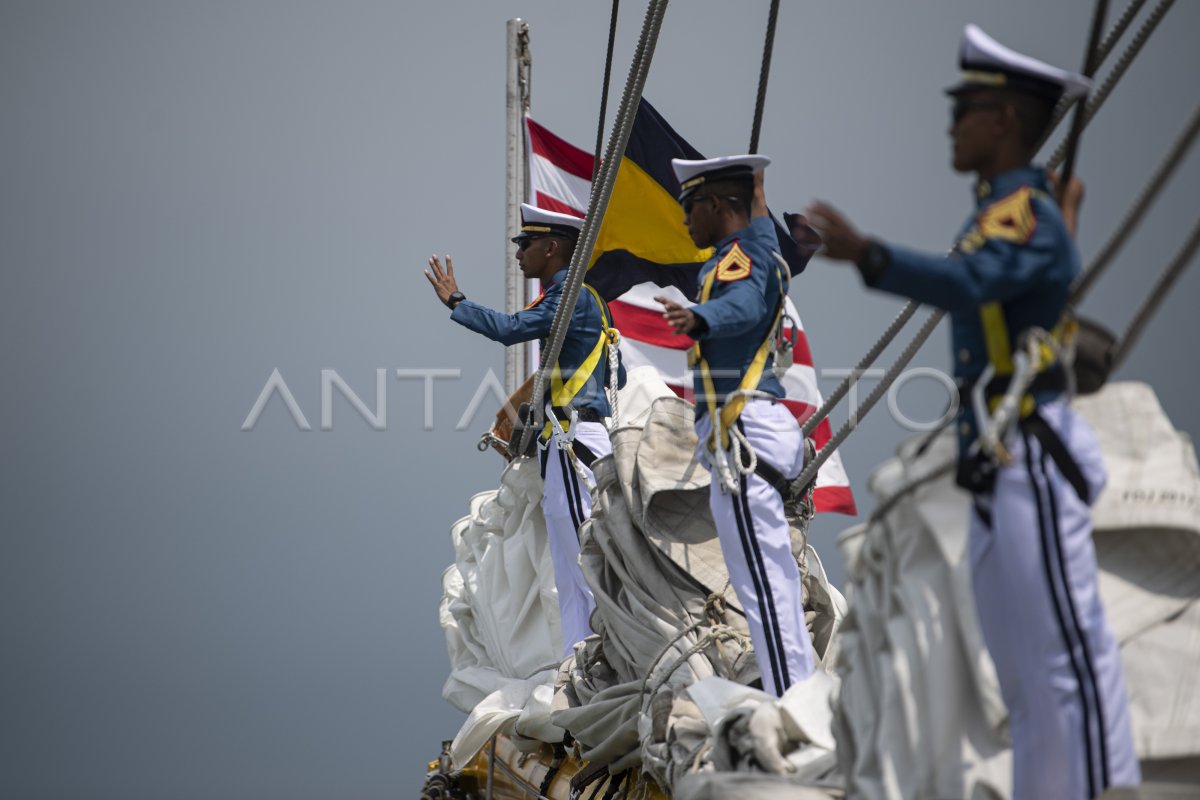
{"type": "Point", "coordinates": [734, 265]}
{"type": "Point", "coordinates": [1010, 218]}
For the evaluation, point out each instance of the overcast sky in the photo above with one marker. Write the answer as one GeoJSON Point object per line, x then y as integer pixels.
{"type": "Point", "coordinates": [195, 194]}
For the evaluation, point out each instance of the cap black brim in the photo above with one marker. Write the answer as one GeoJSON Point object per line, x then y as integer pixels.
{"type": "Point", "coordinates": [965, 88]}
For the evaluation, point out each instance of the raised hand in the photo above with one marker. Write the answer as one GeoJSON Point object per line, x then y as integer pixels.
{"type": "Point", "coordinates": [443, 281]}
{"type": "Point", "coordinates": [842, 242]}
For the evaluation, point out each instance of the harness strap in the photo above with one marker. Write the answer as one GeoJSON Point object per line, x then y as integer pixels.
{"type": "Point", "coordinates": [774, 477]}
{"type": "Point", "coordinates": [730, 411]}
{"type": "Point", "coordinates": [998, 343]}
{"type": "Point", "coordinates": [977, 474]}
{"type": "Point", "coordinates": [585, 456]}
{"type": "Point", "coordinates": [1036, 425]}
{"type": "Point", "coordinates": [563, 393]}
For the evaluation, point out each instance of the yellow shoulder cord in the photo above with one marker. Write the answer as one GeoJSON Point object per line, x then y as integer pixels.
{"type": "Point", "coordinates": [561, 394]}
{"type": "Point", "coordinates": [730, 412]}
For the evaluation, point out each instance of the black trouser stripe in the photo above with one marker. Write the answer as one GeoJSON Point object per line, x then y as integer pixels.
{"type": "Point", "coordinates": [571, 489]}
{"type": "Point", "coordinates": [761, 589]}
{"type": "Point", "coordinates": [774, 630]}
{"type": "Point", "coordinates": [1088, 664]}
{"type": "Point", "coordinates": [1056, 601]}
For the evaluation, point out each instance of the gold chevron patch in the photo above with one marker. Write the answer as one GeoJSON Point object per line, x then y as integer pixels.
{"type": "Point", "coordinates": [1010, 219]}
{"type": "Point", "coordinates": [734, 265]}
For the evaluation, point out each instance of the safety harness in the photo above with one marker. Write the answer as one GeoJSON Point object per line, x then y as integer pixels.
{"type": "Point", "coordinates": [561, 416]}
{"type": "Point", "coordinates": [724, 415]}
{"type": "Point", "coordinates": [1006, 393]}
{"type": "Point", "coordinates": [729, 450]}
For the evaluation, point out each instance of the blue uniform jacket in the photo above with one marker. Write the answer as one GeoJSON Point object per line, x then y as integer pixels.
{"type": "Point", "coordinates": [534, 323]}
{"type": "Point", "coordinates": [740, 310]}
{"type": "Point", "coordinates": [1014, 249]}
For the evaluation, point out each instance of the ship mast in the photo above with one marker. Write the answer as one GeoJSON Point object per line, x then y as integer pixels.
{"type": "Point", "coordinates": [518, 359]}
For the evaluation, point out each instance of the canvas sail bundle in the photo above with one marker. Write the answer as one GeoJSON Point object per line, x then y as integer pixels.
{"type": "Point", "coordinates": [665, 616]}
{"type": "Point", "coordinates": [919, 711]}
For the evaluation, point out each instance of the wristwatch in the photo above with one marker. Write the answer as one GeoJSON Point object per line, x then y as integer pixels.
{"type": "Point", "coordinates": [874, 261]}
{"type": "Point", "coordinates": [454, 299]}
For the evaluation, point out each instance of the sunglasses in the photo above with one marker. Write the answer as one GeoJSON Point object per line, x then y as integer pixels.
{"type": "Point", "coordinates": [965, 105]}
{"type": "Point", "coordinates": [690, 201]}
{"type": "Point", "coordinates": [528, 240]}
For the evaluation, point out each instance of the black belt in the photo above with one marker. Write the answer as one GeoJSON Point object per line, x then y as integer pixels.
{"type": "Point", "coordinates": [585, 456]}
{"type": "Point", "coordinates": [563, 414]}
{"type": "Point", "coordinates": [1052, 380]}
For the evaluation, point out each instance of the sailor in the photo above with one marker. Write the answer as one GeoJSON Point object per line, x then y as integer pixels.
{"type": "Point", "coordinates": [575, 399]}
{"type": "Point", "coordinates": [1033, 564]}
{"type": "Point", "coordinates": [739, 418]}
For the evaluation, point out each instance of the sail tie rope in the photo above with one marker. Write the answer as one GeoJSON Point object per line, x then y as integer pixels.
{"type": "Point", "coordinates": [711, 615]}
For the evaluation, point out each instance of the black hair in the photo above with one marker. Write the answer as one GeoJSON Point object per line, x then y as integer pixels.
{"type": "Point", "coordinates": [739, 194]}
{"type": "Point", "coordinates": [568, 247]}
{"type": "Point", "coordinates": [1033, 113]}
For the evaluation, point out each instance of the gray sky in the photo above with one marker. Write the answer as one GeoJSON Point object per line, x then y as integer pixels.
{"type": "Point", "coordinates": [195, 194]}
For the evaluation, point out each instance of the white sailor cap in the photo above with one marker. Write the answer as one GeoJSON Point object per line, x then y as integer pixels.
{"type": "Point", "coordinates": [537, 222]}
{"type": "Point", "coordinates": [987, 64]}
{"type": "Point", "coordinates": [694, 174]}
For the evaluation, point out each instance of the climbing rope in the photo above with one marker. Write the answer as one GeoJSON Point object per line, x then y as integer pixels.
{"type": "Point", "coordinates": [810, 470]}
{"type": "Point", "coordinates": [597, 204]}
{"type": "Point", "coordinates": [608, 57]}
{"type": "Point", "coordinates": [1091, 61]}
{"type": "Point", "coordinates": [867, 360]}
{"type": "Point", "coordinates": [764, 73]}
{"type": "Point", "coordinates": [1150, 305]}
{"type": "Point", "coordinates": [1110, 41]}
{"type": "Point", "coordinates": [1142, 203]}
{"type": "Point", "coordinates": [1118, 72]}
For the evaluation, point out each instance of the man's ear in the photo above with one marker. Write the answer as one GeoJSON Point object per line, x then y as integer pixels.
{"type": "Point", "coordinates": [1012, 122]}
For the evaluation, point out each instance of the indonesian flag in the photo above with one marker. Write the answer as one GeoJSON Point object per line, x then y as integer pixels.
{"type": "Point", "coordinates": [644, 250]}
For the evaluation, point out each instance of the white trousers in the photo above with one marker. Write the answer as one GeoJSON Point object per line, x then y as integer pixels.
{"type": "Point", "coordinates": [1034, 575]}
{"type": "Point", "coordinates": [566, 503]}
{"type": "Point", "coordinates": [757, 544]}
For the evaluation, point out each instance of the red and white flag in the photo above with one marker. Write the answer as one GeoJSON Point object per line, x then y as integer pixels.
{"type": "Point", "coordinates": [560, 176]}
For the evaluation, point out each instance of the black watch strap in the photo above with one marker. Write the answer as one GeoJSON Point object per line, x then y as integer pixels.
{"type": "Point", "coordinates": [454, 299]}
{"type": "Point", "coordinates": [874, 262]}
